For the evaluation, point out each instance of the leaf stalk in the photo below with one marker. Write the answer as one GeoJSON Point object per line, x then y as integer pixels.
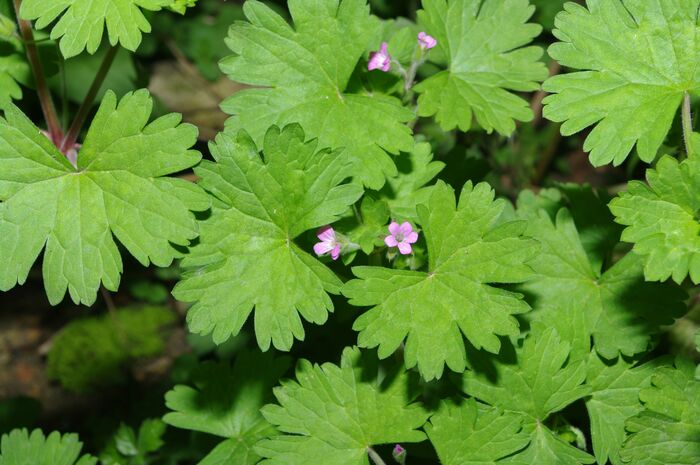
{"type": "Point", "coordinates": [376, 459]}
{"type": "Point", "coordinates": [72, 135]}
{"type": "Point", "coordinates": [687, 120]}
{"type": "Point", "coordinates": [47, 106]}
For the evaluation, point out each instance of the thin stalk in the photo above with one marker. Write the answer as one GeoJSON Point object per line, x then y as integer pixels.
{"type": "Point", "coordinates": [42, 88]}
{"type": "Point", "coordinates": [72, 135]}
{"type": "Point", "coordinates": [376, 459]}
{"type": "Point", "coordinates": [687, 118]}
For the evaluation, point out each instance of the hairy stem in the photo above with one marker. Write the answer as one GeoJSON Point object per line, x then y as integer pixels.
{"type": "Point", "coordinates": [687, 118]}
{"type": "Point", "coordinates": [376, 459]}
{"type": "Point", "coordinates": [42, 88]}
{"type": "Point", "coordinates": [74, 131]}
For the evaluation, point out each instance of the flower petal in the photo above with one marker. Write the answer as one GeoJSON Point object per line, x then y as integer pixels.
{"type": "Point", "coordinates": [375, 61]}
{"type": "Point", "coordinates": [391, 241]}
{"type": "Point", "coordinates": [405, 248]}
{"type": "Point", "coordinates": [322, 248]}
{"type": "Point", "coordinates": [335, 253]}
{"type": "Point", "coordinates": [405, 229]}
{"type": "Point", "coordinates": [394, 228]}
{"type": "Point", "coordinates": [326, 234]}
{"type": "Point", "coordinates": [412, 237]}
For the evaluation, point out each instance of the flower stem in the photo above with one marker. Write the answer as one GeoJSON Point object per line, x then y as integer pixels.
{"type": "Point", "coordinates": [47, 106]}
{"type": "Point", "coordinates": [687, 119]}
{"type": "Point", "coordinates": [376, 459]}
{"type": "Point", "coordinates": [76, 126]}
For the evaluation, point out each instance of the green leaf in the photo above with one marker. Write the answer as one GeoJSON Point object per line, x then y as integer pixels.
{"type": "Point", "coordinates": [667, 431]}
{"type": "Point", "coordinates": [472, 434]}
{"type": "Point", "coordinates": [614, 398]}
{"type": "Point", "coordinates": [126, 447]}
{"type": "Point", "coordinates": [81, 23]}
{"type": "Point", "coordinates": [370, 232]}
{"type": "Point", "coordinates": [302, 75]}
{"type": "Point", "coordinates": [181, 6]}
{"type": "Point", "coordinates": [620, 310]}
{"type": "Point", "coordinates": [662, 219]}
{"type": "Point", "coordinates": [150, 437]}
{"type": "Point", "coordinates": [20, 448]}
{"type": "Point", "coordinates": [8, 28]}
{"type": "Point", "coordinates": [13, 70]}
{"type": "Point", "coordinates": [226, 402]}
{"type": "Point", "coordinates": [332, 414]}
{"type": "Point", "coordinates": [407, 189]}
{"type": "Point", "coordinates": [117, 190]}
{"type": "Point", "coordinates": [432, 310]}
{"type": "Point", "coordinates": [547, 449]}
{"type": "Point", "coordinates": [482, 66]}
{"type": "Point", "coordinates": [595, 223]}
{"type": "Point", "coordinates": [631, 81]}
{"type": "Point", "coordinates": [247, 257]}
{"type": "Point", "coordinates": [541, 383]}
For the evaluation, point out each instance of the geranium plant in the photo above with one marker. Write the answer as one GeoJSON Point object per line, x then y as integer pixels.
{"type": "Point", "coordinates": [397, 235]}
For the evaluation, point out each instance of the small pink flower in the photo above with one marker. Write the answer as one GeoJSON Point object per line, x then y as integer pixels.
{"type": "Point", "coordinates": [426, 42]}
{"type": "Point", "coordinates": [401, 236]}
{"type": "Point", "coordinates": [380, 60]}
{"type": "Point", "coordinates": [329, 243]}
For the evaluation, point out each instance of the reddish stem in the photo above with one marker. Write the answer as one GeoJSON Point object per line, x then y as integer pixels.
{"type": "Point", "coordinates": [42, 88]}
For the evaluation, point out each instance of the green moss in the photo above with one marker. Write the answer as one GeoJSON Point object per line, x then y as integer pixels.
{"type": "Point", "coordinates": [94, 352]}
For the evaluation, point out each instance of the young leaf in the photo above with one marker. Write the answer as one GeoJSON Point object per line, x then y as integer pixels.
{"type": "Point", "coordinates": [117, 190]}
{"type": "Point", "coordinates": [13, 70]}
{"type": "Point", "coordinates": [632, 80]}
{"type": "Point", "coordinates": [662, 219]}
{"type": "Point", "coordinates": [332, 415]}
{"type": "Point", "coordinates": [468, 252]}
{"type": "Point", "coordinates": [482, 66]}
{"type": "Point", "coordinates": [127, 447]}
{"type": "Point", "coordinates": [407, 189]}
{"type": "Point", "coordinates": [620, 309]}
{"type": "Point", "coordinates": [369, 233]}
{"type": "Point", "coordinates": [226, 402]}
{"type": "Point", "coordinates": [81, 23]}
{"type": "Point", "coordinates": [614, 398]}
{"type": "Point", "coordinates": [542, 382]}
{"type": "Point", "coordinates": [303, 74]}
{"type": "Point", "coordinates": [20, 448]}
{"type": "Point", "coordinates": [474, 434]}
{"type": "Point", "coordinates": [247, 256]}
{"type": "Point", "coordinates": [667, 431]}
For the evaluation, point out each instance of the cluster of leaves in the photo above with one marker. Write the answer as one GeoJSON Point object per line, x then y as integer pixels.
{"type": "Point", "coordinates": [536, 309]}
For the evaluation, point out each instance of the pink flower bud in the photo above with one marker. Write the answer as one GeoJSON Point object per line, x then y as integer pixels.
{"type": "Point", "coordinates": [425, 41]}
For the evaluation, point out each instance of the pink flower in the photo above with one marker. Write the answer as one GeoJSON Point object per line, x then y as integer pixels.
{"type": "Point", "coordinates": [401, 236]}
{"type": "Point", "coordinates": [329, 243]}
{"type": "Point", "coordinates": [426, 42]}
{"type": "Point", "coordinates": [380, 60]}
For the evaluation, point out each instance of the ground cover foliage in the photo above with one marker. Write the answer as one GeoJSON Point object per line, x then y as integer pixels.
{"type": "Point", "coordinates": [458, 232]}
